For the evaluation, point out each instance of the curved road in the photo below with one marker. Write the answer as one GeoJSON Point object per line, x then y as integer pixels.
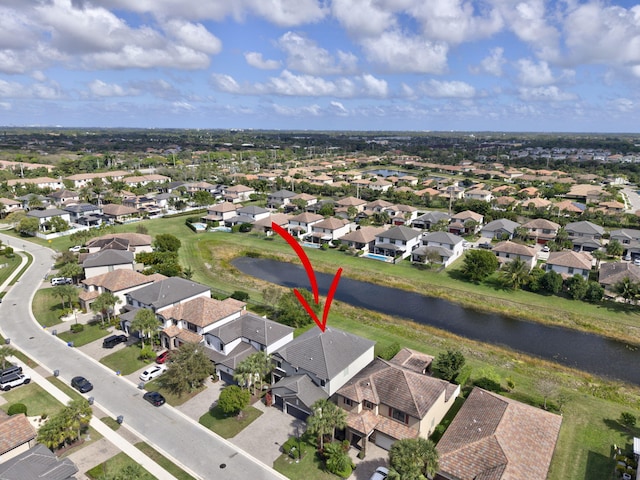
{"type": "Point", "coordinates": [203, 452]}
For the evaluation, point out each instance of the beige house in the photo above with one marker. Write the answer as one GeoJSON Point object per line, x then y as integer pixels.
{"type": "Point", "coordinates": [330, 229]}
{"type": "Point", "coordinates": [106, 261]}
{"type": "Point", "coordinates": [16, 435]}
{"type": "Point", "coordinates": [542, 230]}
{"type": "Point", "coordinates": [509, 251]}
{"type": "Point", "coordinates": [569, 263]}
{"type": "Point", "coordinates": [387, 401]}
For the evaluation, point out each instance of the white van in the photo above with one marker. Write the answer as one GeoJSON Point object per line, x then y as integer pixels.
{"type": "Point", "coordinates": [61, 281]}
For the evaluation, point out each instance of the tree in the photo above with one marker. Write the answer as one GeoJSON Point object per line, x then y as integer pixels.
{"type": "Point", "coordinates": [165, 242]}
{"type": "Point", "coordinates": [146, 323]}
{"type": "Point", "coordinates": [627, 419]}
{"type": "Point", "coordinates": [337, 460]}
{"type": "Point", "coordinates": [594, 293]}
{"type": "Point", "coordinates": [188, 368]}
{"type": "Point", "coordinates": [6, 352]}
{"type": "Point", "coordinates": [327, 210]}
{"type": "Point", "coordinates": [614, 248]}
{"type": "Point", "coordinates": [251, 371]}
{"type": "Point", "coordinates": [448, 364]}
{"type": "Point", "coordinates": [71, 270]}
{"type": "Point", "coordinates": [551, 282]}
{"type": "Point", "coordinates": [515, 273]}
{"type": "Point", "coordinates": [413, 459]}
{"type": "Point", "coordinates": [599, 255]}
{"type": "Point", "coordinates": [291, 312]}
{"type": "Point", "coordinates": [28, 226]}
{"type": "Point", "coordinates": [103, 304]}
{"type": "Point", "coordinates": [479, 264]}
{"type": "Point", "coordinates": [202, 198]}
{"type": "Point", "coordinates": [66, 292]}
{"type": "Point", "coordinates": [547, 388]}
{"type": "Point", "coordinates": [534, 283]}
{"type": "Point", "coordinates": [324, 420]}
{"type": "Point", "coordinates": [77, 416]}
{"type": "Point", "coordinates": [58, 224]}
{"type": "Point", "coordinates": [627, 289]}
{"type": "Point", "coordinates": [577, 287]}
{"type": "Point", "coordinates": [271, 296]}
{"type": "Point", "coordinates": [233, 399]}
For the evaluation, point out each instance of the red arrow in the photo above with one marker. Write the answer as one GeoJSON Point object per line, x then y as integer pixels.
{"type": "Point", "coordinates": [312, 279]}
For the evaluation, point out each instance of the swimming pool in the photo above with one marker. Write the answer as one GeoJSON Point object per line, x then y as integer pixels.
{"type": "Point", "coordinates": [310, 245]}
{"type": "Point", "coordinates": [199, 227]}
{"type": "Point", "coordinates": [375, 256]}
{"type": "Point", "coordinates": [221, 229]}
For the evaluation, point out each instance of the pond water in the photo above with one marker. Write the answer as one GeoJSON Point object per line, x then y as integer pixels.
{"type": "Point", "coordinates": [384, 172]}
{"type": "Point", "coordinates": [590, 353]}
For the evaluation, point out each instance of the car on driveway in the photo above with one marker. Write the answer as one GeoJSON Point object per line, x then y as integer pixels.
{"type": "Point", "coordinates": [76, 248]}
{"type": "Point", "coordinates": [7, 382]}
{"type": "Point", "coordinates": [152, 372]}
{"type": "Point", "coordinates": [545, 249]}
{"type": "Point", "coordinates": [113, 340]}
{"type": "Point", "coordinates": [163, 357]}
{"type": "Point", "coordinates": [81, 384]}
{"type": "Point", "coordinates": [380, 474]}
{"type": "Point", "coordinates": [485, 245]}
{"type": "Point", "coordinates": [154, 398]}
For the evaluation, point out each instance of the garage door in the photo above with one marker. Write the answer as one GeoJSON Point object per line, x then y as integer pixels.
{"type": "Point", "coordinates": [296, 412]}
{"type": "Point", "coordinates": [226, 378]}
{"type": "Point", "coordinates": [384, 441]}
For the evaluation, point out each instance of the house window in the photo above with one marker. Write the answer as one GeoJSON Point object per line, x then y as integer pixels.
{"type": "Point", "coordinates": [323, 383]}
{"type": "Point", "coordinates": [570, 270]}
{"type": "Point", "coordinates": [191, 327]}
{"type": "Point", "coordinates": [347, 401]}
{"type": "Point", "coordinates": [398, 415]}
{"type": "Point", "coordinates": [367, 404]}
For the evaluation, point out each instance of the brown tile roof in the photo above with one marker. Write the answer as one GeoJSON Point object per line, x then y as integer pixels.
{"type": "Point", "coordinates": [15, 431]}
{"type": "Point", "coordinates": [351, 201]}
{"type": "Point", "coordinates": [331, 223]}
{"type": "Point", "coordinates": [306, 217]}
{"type": "Point", "coordinates": [134, 239]}
{"type": "Point", "coordinates": [514, 248]}
{"type": "Point", "coordinates": [412, 360]}
{"type": "Point", "coordinates": [364, 422]}
{"type": "Point", "coordinates": [494, 437]}
{"type": "Point", "coordinates": [569, 258]}
{"type": "Point", "coordinates": [189, 336]}
{"type": "Point", "coordinates": [204, 311]}
{"type": "Point", "coordinates": [223, 207]}
{"type": "Point", "coordinates": [114, 209]}
{"type": "Point", "coordinates": [541, 223]}
{"type": "Point", "coordinates": [611, 273]}
{"type": "Point", "coordinates": [87, 296]}
{"type": "Point", "coordinates": [395, 429]}
{"type": "Point", "coordinates": [118, 280]}
{"type": "Point", "coordinates": [365, 234]}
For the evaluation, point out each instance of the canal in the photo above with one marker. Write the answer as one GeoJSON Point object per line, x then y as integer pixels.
{"type": "Point", "coordinates": [583, 351]}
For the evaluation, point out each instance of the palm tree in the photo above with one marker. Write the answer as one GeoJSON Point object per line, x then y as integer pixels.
{"type": "Point", "coordinates": [599, 255]}
{"type": "Point", "coordinates": [324, 420]}
{"type": "Point", "coordinates": [77, 415]}
{"type": "Point", "coordinates": [5, 353]}
{"type": "Point", "coordinates": [515, 273]}
{"type": "Point", "coordinates": [413, 459]}
{"type": "Point", "coordinates": [145, 322]}
{"type": "Point", "coordinates": [627, 289]}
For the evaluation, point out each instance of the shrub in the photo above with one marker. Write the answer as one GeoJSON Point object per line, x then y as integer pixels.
{"type": "Point", "coordinates": [289, 444]}
{"type": "Point", "coordinates": [387, 351]}
{"type": "Point", "coordinates": [17, 408]}
{"type": "Point", "coordinates": [240, 295]}
{"type": "Point", "coordinates": [147, 353]}
{"type": "Point", "coordinates": [76, 328]}
{"type": "Point", "coordinates": [344, 247]}
{"type": "Point", "coordinates": [463, 377]}
{"type": "Point", "coordinates": [627, 419]}
{"type": "Point", "coordinates": [488, 384]}
{"type": "Point", "coordinates": [324, 246]}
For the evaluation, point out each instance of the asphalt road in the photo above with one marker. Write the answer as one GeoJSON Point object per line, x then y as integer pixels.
{"type": "Point", "coordinates": [204, 453]}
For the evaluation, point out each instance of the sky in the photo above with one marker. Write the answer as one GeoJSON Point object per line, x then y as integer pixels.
{"type": "Point", "coordinates": [389, 65]}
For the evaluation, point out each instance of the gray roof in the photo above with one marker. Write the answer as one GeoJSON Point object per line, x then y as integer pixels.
{"type": "Point", "coordinates": [442, 251]}
{"type": "Point", "coordinates": [49, 212]}
{"type": "Point", "coordinates": [400, 233]}
{"type": "Point", "coordinates": [282, 194]}
{"type": "Point", "coordinates": [37, 463]}
{"type": "Point", "coordinates": [234, 357]}
{"type": "Point", "coordinates": [434, 217]}
{"type": "Point", "coordinates": [501, 224]}
{"type": "Point", "coordinates": [252, 210]}
{"type": "Point", "coordinates": [255, 328]}
{"type": "Point", "coordinates": [300, 387]}
{"type": "Point", "coordinates": [627, 233]}
{"type": "Point", "coordinates": [442, 237]}
{"type": "Point", "coordinates": [325, 354]}
{"type": "Point", "coordinates": [104, 258]}
{"type": "Point", "coordinates": [81, 208]}
{"type": "Point", "coordinates": [584, 227]}
{"type": "Point", "coordinates": [167, 292]}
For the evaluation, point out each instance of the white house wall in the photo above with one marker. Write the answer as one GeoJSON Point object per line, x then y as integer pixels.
{"type": "Point", "coordinates": [333, 385]}
{"type": "Point", "coordinates": [280, 343]}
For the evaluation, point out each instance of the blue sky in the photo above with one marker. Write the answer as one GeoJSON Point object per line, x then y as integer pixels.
{"type": "Point", "coordinates": [439, 65]}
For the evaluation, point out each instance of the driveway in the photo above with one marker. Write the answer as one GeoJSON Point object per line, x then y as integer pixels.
{"type": "Point", "coordinates": [376, 457]}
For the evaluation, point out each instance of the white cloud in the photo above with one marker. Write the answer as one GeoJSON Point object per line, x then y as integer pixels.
{"type": "Point", "coordinates": [307, 110]}
{"type": "Point", "coordinates": [194, 36]}
{"type": "Point", "coordinates": [491, 64]}
{"type": "Point", "coordinates": [337, 108]}
{"type": "Point", "coordinates": [624, 105]}
{"type": "Point", "coordinates": [5, 106]}
{"type": "Point", "coordinates": [98, 88]}
{"type": "Point", "coordinates": [363, 18]}
{"type": "Point", "coordinates": [255, 60]}
{"type": "Point", "coordinates": [181, 107]}
{"type": "Point", "coordinates": [306, 85]}
{"type": "Point", "coordinates": [225, 83]}
{"type": "Point", "coordinates": [442, 89]}
{"type": "Point", "coordinates": [35, 90]}
{"type": "Point", "coordinates": [395, 52]}
{"type": "Point", "coordinates": [375, 87]}
{"type": "Point", "coordinates": [534, 74]}
{"type": "Point", "coordinates": [546, 94]}
{"type": "Point", "coordinates": [304, 55]}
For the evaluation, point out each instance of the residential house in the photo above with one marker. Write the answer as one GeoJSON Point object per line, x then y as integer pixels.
{"type": "Point", "coordinates": [17, 435]}
{"type": "Point", "coordinates": [134, 242]}
{"type": "Point", "coordinates": [315, 365]}
{"type": "Point", "coordinates": [374, 183]}
{"type": "Point", "coordinates": [508, 251]}
{"type": "Point", "coordinates": [301, 225]}
{"type": "Point", "coordinates": [478, 194]}
{"type": "Point", "coordinates": [8, 205]}
{"type": "Point", "coordinates": [45, 216]}
{"type": "Point", "coordinates": [498, 438]}
{"type": "Point", "coordinates": [165, 294]}
{"type": "Point", "coordinates": [194, 187]}
{"type": "Point", "coordinates": [40, 182]}
{"type": "Point", "coordinates": [303, 198]}
{"type": "Point", "coordinates": [329, 229]}
{"type": "Point", "coordinates": [32, 201]}
{"type": "Point", "coordinates": [397, 242]}
{"type": "Point", "coordinates": [569, 263]}
{"type": "Point", "coordinates": [447, 246]}
{"type": "Point", "coordinates": [238, 193]}
{"type": "Point", "coordinates": [466, 222]}
{"type": "Point", "coordinates": [221, 212]}
{"type": "Point", "coordinates": [585, 236]}
{"type": "Point", "coordinates": [279, 199]}
{"type": "Point", "coordinates": [249, 214]}
{"type": "Point", "coordinates": [143, 180]}
{"type": "Point", "coordinates": [107, 261]}
{"type": "Point", "coordinates": [402, 214]}
{"type": "Point", "coordinates": [362, 238]}
{"type": "Point", "coordinates": [85, 214]}
{"type": "Point", "coordinates": [81, 180]}
{"type": "Point", "coordinates": [38, 463]}
{"type": "Point", "coordinates": [354, 202]}
{"type": "Point", "coordinates": [265, 225]}
{"type": "Point", "coordinates": [119, 282]}
{"type": "Point", "coordinates": [611, 273]}
{"type": "Point", "coordinates": [541, 230]}
{"type": "Point", "coordinates": [119, 213]}
{"type": "Point", "coordinates": [388, 402]}
{"type": "Point", "coordinates": [501, 229]}
{"type": "Point", "coordinates": [536, 203]}
{"type": "Point", "coordinates": [630, 240]}
{"type": "Point", "coordinates": [428, 220]}
{"type": "Point", "coordinates": [569, 208]}
{"type": "Point", "coordinates": [61, 197]}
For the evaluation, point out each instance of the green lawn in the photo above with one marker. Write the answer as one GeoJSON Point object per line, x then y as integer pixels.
{"type": "Point", "coordinates": [47, 308]}
{"type": "Point", "coordinates": [170, 397]}
{"type": "Point", "coordinates": [111, 423]}
{"type": "Point", "coordinates": [37, 400]}
{"type": "Point", "coordinates": [310, 467]}
{"type": "Point", "coordinates": [114, 464]}
{"type": "Point", "coordinates": [126, 360]}
{"type": "Point", "coordinates": [71, 392]}
{"type": "Point", "coordinates": [163, 461]}
{"type": "Point", "coordinates": [91, 333]}
{"type": "Point", "coordinates": [228, 426]}
{"type": "Point", "coordinates": [9, 264]}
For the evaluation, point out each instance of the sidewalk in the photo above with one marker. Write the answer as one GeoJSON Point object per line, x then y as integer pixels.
{"type": "Point", "coordinates": [115, 438]}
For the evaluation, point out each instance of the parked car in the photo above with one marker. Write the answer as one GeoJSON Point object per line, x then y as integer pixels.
{"type": "Point", "coordinates": [61, 281]}
{"type": "Point", "coordinates": [7, 382]}
{"type": "Point", "coordinates": [154, 398]}
{"type": "Point", "coordinates": [545, 249]}
{"type": "Point", "coordinates": [636, 261]}
{"type": "Point", "coordinates": [113, 340]}
{"type": "Point", "coordinates": [485, 245]}
{"type": "Point", "coordinates": [152, 372]}
{"type": "Point", "coordinates": [163, 357]}
{"type": "Point", "coordinates": [380, 473]}
{"type": "Point", "coordinates": [10, 370]}
{"type": "Point", "coordinates": [81, 384]}
{"type": "Point", "coordinates": [76, 248]}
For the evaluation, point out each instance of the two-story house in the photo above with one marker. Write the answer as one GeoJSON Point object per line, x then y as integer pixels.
{"type": "Point", "coordinates": [388, 402]}
{"type": "Point", "coordinates": [221, 212]}
{"type": "Point", "coordinates": [134, 242]}
{"type": "Point", "coordinates": [107, 261]}
{"type": "Point", "coordinates": [501, 229]}
{"type": "Point", "coordinates": [362, 238]}
{"type": "Point", "coordinates": [541, 230]}
{"type": "Point", "coordinates": [119, 282]}
{"type": "Point", "coordinates": [248, 214]}
{"type": "Point", "coordinates": [329, 229]}
{"type": "Point", "coordinates": [508, 251]}
{"type": "Point", "coordinates": [629, 239]}
{"type": "Point", "coordinates": [45, 216]}
{"type": "Point", "coordinates": [238, 193]}
{"type": "Point", "coordinates": [85, 214]}
{"type": "Point", "coordinates": [585, 236]}
{"type": "Point", "coordinates": [397, 242]}
{"type": "Point", "coordinates": [314, 366]}
{"type": "Point", "coordinates": [466, 222]}
{"type": "Point", "coordinates": [302, 224]}
{"type": "Point", "coordinates": [428, 220]}
{"type": "Point", "coordinates": [569, 263]}
{"type": "Point", "coordinates": [444, 246]}
{"type": "Point", "coordinates": [280, 199]}
{"type": "Point", "coordinates": [354, 202]}
{"type": "Point", "coordinates": [166, 294]}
